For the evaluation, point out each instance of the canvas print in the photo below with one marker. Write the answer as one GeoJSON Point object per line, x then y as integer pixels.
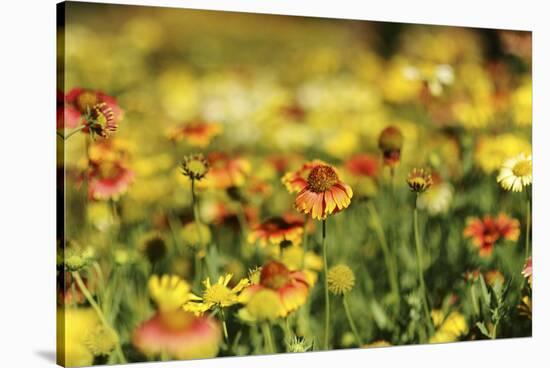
{"type": "Point", "coordinates": [235, 184]}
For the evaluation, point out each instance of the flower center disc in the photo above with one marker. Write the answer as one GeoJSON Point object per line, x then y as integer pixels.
{"type": "Point", "coordinates": [322, 178]}
{"type": "Point", "coordinates": [218, 294]}
{"type": "Point", "coordinates": [196, 167]}
{"type": "Point", "coordinates": [86, 100]}
{"type": "Point", "coordinates": [274, 275]}
{"type": "Point", "coordinates": [522, 168]}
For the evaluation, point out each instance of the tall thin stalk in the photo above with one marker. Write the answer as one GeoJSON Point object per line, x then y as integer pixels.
{"type": "Point", "coordinates": [420, 267]}
{"type": "Point", "coordinates": [198, 226]}
{"type": "Point", "coordinates": [268, 339]}
{"type": "Point", "coordinates": [388, 259]}
{"type": "Point", "coordinates": [97, 309]}
{"type": "Point", "coordinates": [327, 299]}
{"type": "Point", "coordinates": [350, 321]}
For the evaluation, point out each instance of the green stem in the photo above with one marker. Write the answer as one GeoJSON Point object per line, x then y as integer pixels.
{"type": "Point", "coordinates": [73, 132]}
{"type": "Point", "coordinates": [327, 299]}
{"type": "Point", "coordinates": [350, 321]}
{"type": "Point", "coordinates": [304, 243]}
{"type": "Point", "coordinates": [101, 278]}
{"type": "Point", "coordinates": [388, 259]}
{"type": "Point", "coordinates": [420, 267]}
{"type": "Point", "coordinates": [241, 217]}
{"type": "Point", "coordinates": [266, 329]}
{"type": "Point", "coordinates": [474, 299]}
{"type": "Point", "coordinates": [198, 224]}
{"type": "Point", "coordinates": [224, 325]}
{"type": "Point", "coordinates": [494, 332]}
{"type": "Point", "coordinates": [194, 198]}
{"type": "Point", "coordinates": [101, 316]}
{"type": "Point", "coordinates": [198, 268]}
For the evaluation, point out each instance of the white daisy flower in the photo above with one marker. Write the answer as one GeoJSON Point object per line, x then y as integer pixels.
{"type": "Point", "coordinates": [437, 200]}
{"type": "Point", "coordinates": [516, 173]}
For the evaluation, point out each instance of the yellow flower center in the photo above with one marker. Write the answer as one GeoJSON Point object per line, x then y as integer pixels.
{"type": "Point", "coordinates": [265, 305]}
{"type": "Point", "coordinates": [197, 167]}
{"type": "Point", "coordinates": [522, 168]}
{"type": "Point", "coordinates": [101, 340]}
{"type": "Point", "coordinates": [86, 100]}
{"type": "Point", "coordinates": [322, 178]}
{"type": "Point", "coordinates": [419, 180]}
{"type": "Point", "coordinates": [340, 279]}
{"type": "Point", "coordinates": [219, 294]}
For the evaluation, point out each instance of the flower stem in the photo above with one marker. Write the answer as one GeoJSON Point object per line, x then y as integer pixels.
{"type": "Point", "coordinates": [304, 242]}
{"type": "Point", "coordinates": [266, 329]}
{"type": "Point", "coordinates": [350, 321]}
{"type": "Point", "coordinates": [421, 270]}
{"type": "Point", "coordinates": [73, 132]}
{"type": "Point", "coordinates": [388, 259]}
{"type": "Point", "coordinates": [224, 325]}
{"type": "Point", "coordinates": [474, 300]}
{"type": "Point", "coordinates": [494, 331]}
{"type": "Point", "coordinates": [196, 218]}
{"type": "Point", "coordinates": [101, 316]}
{"type": "Point", "coordinates": [327, 299]}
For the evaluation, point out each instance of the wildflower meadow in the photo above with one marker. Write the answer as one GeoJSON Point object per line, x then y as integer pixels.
{"type": "Point", "coordinates": [235, 184]}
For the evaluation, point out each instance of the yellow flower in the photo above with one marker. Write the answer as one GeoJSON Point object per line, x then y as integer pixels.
{"type": "Point", "coordinates": [323, 193]}
{"type": "Point", "coordinates": [195, 166]}
{"type": "Point", "coordinates": [263, 305]}
{"type": "Point", "coordinates": [419, 180]}
{"type": "Point", "coordinates": [293, 257]}
{"type": "Point", "coordinates": [216, 295]}
{"type": "Point", "coordinates": [169, 292]}
{"type": "Point", "coordinates": [516, 173]}
{"type": "Point", "coordinates": [341, 143]}
{"type": "Point", "coordinates": [75, 327]}
{"type": "Point", "coordinates": [101, 340]}
{"type": "Point", "coordinates": [254, 275]}
{"type": "Point", "coordinates": [522, 104]}
{"type": "Point", "coordinates": [340, 279]}
{"type": "Point", "coordinates": [449, 328]}
{"type": "Point", "coordinates": [491, 151]}
{"type": "Point", "coordinates": [195, 235]}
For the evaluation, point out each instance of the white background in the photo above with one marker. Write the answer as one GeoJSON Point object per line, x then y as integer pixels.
{"type": "Point", "coordinates": [27, 178]}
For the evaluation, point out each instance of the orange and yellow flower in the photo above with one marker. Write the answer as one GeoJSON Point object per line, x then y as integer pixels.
{"type": "Point", "coordinates": [390, 143]}
{"type": "Point", "coordinates": [109, 175]}
{"type": "Point", "coordinates": [487, 231]}
{"type": "Point", "coordinates": [295, 181]}
{"type": "Point", "coordinates": [178, 335]}
{"type": "Point", "coordinates": [363, 165]}
{"type": "Point", "coordinates": [173, 332]}
{"type": "Point", "coordinates": [197, 133]}
{"type": "Point", "coordinates": [225, 171]}
{"type": "Point", "coordinates": [81, 101]}
{"type": "Point", "coordinates": [291, 287]}
{"type": "Point", "coordinates": [275, 230]}
{"type": "Point", "coordinates": [321, 193]}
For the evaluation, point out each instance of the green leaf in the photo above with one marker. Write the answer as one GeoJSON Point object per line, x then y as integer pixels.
{"type": "Point", "coordinates": [486, 296]}
{"type": "Point", "coordinates": [379, 315]}
{"type": "Point", "coordinates": [483, 329]}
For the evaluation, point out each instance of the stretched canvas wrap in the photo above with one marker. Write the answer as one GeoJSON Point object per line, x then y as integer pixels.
{"type": "Point", "coordinates": [234, 184]}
